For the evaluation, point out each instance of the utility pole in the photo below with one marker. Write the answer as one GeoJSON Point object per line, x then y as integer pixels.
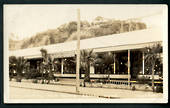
{"type": "Point", "coordinates": [114, 63]}
{"type": "Point", "coordinates": [78, 52]}
{"type": "Point", "coordinates": [143, 62]}
{"type": "Point", "coordinates": [129, 68]}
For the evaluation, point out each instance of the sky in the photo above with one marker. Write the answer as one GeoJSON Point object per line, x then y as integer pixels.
{"type": "Point", "coordinates": [27, 20]}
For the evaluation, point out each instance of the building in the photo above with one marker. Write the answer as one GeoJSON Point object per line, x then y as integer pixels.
{"type": "Point", "coordinates": [124, 44]}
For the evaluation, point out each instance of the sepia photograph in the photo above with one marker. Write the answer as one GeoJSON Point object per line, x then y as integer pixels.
{"type": "Point", "coordinates": [77, 53]}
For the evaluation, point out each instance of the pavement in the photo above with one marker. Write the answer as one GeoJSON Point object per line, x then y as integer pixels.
{"type": "Point", "coordinates": [66, 91]}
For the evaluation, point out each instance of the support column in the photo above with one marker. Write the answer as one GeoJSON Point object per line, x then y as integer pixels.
{"type": "Point", "coordinates": [114, 64]}
{"type": "Point", "coordinates": [91, 69]}
{"type": "Point", "coordinates": [143, 63]}
{"type": "Point", "coordinates": [129, 68]}
{"type": "Point", "coordinates": [62, 66]}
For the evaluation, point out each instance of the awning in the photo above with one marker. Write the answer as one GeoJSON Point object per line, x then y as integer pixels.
{"type": "Point", "coordinates": [34, 56]}
{"type": "Point", "coordinates": [63, 54]}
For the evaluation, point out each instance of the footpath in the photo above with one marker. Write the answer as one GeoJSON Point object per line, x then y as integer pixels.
{"type": "Point", "coordinates": [88, 91]}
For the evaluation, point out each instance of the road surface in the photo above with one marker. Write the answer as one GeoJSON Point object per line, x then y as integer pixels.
{"type": "Point", "coordinates": [28, 90]}
{"type": "Point", "coordinates": [27, 93]}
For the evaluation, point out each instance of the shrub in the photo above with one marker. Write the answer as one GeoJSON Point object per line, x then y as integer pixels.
{"type": "Point", "coordinates": [35, 81]}
{"type": "Point", "coordinates": [143, 80]}
{"type": "Point", "coordinates": [133, 88]}
{"type": "Point", "coordinates": [57, 79]}
{"type": "Point", "coordinates": [18, 79]}
{"type": "Point", "coordinates": [159, 89]}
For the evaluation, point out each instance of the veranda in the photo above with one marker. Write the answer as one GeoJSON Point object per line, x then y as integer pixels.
{"type": "Point", "coordinates": [127, 48]}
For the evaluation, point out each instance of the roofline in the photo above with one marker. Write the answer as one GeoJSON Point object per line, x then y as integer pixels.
{"type": "Point", "coordinates": [83, 39]}
{"type": "Point", "coordinates": [121, 45]}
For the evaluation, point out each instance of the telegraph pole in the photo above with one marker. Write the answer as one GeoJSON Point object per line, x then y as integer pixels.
{"type": "Point", "coordinates": [129, 68]}
{"type": "Point", "coordinates": [78, 52]}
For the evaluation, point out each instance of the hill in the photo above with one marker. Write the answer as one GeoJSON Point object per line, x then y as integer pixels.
{"type": "Point", "coordinates": [67, 32]}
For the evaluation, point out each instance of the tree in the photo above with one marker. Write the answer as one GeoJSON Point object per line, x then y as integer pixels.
{"type": "Point", "coordinates": [106, 60]}
{"type": "Point", "coordinates": [19, 64]}
{"type": "Point", "coordinates": [44, 63]}
{"type": "Point", "coordinates": [87, 58]}
{"type": "Point", "coordinates": [51, 68]}
{"type": "Point", "coordinates": [99, 18]}
{"type": "Point", "coordinates": [44, 55]}
{"type": "Point", "coordinates": [12, 66]}
{"type": "Point", "coordinates": [151, 55]}
{"type": "Point", "coordinates": [47, 65]}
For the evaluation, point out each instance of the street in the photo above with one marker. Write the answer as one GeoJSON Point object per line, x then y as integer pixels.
{"type": "Point", "coordinates": [28, 90]}
{"type": "Point", "coordinates": [26, 93]}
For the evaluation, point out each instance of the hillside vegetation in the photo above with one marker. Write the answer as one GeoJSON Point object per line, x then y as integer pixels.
{"type": "Point", "coordinates": [67, 32]}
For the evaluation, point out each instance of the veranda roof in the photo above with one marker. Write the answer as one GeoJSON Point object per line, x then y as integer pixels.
{"type": "Point", "coordinates": [123, 41]}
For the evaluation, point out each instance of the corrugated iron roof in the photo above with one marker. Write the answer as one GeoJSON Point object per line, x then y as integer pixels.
{"type": "Point", "coordinates": [122, 39]}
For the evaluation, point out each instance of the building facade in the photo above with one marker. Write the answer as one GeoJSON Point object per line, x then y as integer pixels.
{"type": "Point", "coordinates": [127, 49]}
